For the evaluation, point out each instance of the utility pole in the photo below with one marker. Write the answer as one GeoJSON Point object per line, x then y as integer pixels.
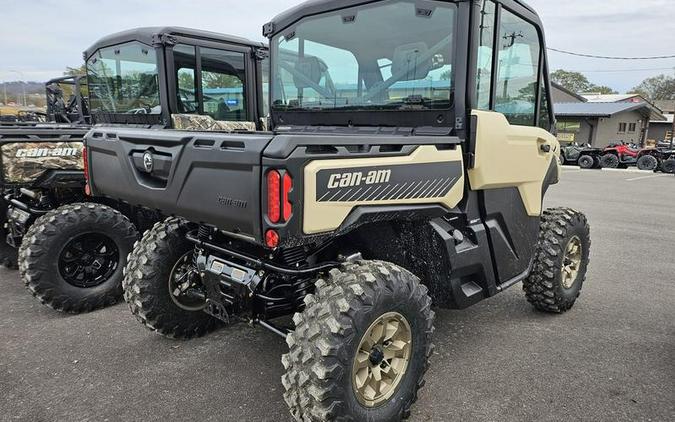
{"type": "Point", "coordinates": [672, 133]}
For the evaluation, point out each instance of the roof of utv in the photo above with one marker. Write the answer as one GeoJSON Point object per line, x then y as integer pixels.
{"type": "Point", "coordinates": [150, 35]}
{"type": "Point", "coordinates": [313, 7]}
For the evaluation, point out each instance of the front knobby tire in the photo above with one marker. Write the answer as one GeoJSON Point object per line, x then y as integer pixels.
{"type": "Point", "coordinates": [561, 261]}
{"type": "Point", "coordinates": [647, 162]}
{"type": "Point", "coordinates": [586, 162]}
{"type": "Point", "coordinates": [72, 258]}
{"type": "Point", "coordinates": [610, 161]}
{"type": "Point", "coordinates": [147, 291]}
{"type": "Point", "coordinates": [327, 376]}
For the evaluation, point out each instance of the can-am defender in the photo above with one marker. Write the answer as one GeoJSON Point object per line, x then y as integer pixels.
{"type": "Point", "coordinates": [406, 167]}
{"type": "Point", "coordinates": [74, 247]}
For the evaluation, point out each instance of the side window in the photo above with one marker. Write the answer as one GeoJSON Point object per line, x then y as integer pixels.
{"type": "Point", "coordinates": [266, 86]}
{"type": "Point", "coordinates": [223, 76]}
{"type": "Point", "coordinates": [185, 65]}
{"type": "Point", "coordinates": [544, 109]}
{"type": "Point", "coordinates": [517, 70]}
{"type": "Point", "coordinates": [485, 50]}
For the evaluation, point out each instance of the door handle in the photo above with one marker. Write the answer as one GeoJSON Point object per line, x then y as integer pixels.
{"type": "Point", "coordinates": [545, 148]}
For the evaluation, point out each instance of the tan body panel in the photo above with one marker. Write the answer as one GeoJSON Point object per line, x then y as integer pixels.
{"type": "Point", "coordinates": [327, 216]}
{"type": "Point", "coordinates": [24, 162]}
{"type": "Point", "coordinates": [198, 122]}
{"type": "Point", "coordinates": [511, 156]}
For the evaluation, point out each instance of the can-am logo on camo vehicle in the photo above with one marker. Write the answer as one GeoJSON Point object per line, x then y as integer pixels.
{"type": "Point", "coordinates": [47, 152]}
{"type": "Point", "coordinates": [358, 178]}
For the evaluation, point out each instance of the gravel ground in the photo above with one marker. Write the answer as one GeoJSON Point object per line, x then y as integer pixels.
{"type": "Point", "coordinates": [611, 358]}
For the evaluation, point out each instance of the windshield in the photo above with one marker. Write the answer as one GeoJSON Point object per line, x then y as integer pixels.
{"type": "Point", "coordinates": [124, 79]}
{"type": "Point", "coordinates": [390, 55]}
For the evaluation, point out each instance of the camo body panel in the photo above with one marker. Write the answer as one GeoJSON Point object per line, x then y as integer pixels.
{"type": "Point", "coordinates": [25, 162]}
{"type": "Point", "coordinates": [199, 122]}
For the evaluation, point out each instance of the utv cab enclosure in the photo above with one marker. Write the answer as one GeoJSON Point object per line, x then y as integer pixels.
{"type": "Point", "coordinates": [177, 78]}
{"type": "Point", "coordinates": [409, 157]}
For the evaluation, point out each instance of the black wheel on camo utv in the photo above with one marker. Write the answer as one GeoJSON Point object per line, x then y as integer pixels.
{"type": "Point", "coordinates": [8, 254]}
{"type": "Point", "coordinates": [609, 161]}
{"type": "Point", "coordinates": [647, 162]}
{"type": "Point", "coordinates": [361, 347]}
{"type": "Point", "coordinates": [586, 162]}
{"type": "Point", "coordinates": [560, 262]}
{"type": "Point", "coordinates": [159, 282]}
{"type": "Point", "coordinates": [73, 257]}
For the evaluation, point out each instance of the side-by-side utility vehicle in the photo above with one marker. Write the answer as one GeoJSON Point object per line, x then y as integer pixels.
{"type": "Point", "coordinates": [409, 157]}
{"type": "Point", "coordinates": [73, 247]}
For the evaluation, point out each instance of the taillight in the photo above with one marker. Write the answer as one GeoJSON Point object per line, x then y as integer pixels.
{"type": "Point", "coordinates": [288, 185]}
{"type": "Point", "coordinates": [271, 239]}
{"type": "Point", "coordinates": [85, 168]}
{"type": "Point", "coordinates": [273, 196]}
{"type": "Point", "coordinates": [85, 163]}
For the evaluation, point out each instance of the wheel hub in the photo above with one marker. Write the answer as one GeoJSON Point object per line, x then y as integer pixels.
{"type": "Point", "coordinates": [183, 279]}
{"type": "Point", "coordinates": [88, 260]}
{"type": "Point", "coordinates": [382, 359]}
{"type": "Point", "coordinates": [571, 262]}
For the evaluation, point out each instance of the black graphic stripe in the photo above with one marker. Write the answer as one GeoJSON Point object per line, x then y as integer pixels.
{"type": "Point", "coordinates": [431, 188]}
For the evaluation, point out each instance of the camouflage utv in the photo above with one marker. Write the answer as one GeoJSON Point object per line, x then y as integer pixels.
{"type": "Point", "coordinates": [73, 247]}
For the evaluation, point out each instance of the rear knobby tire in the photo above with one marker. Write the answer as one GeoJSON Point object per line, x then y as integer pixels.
{"type": "Point", "coordinates": [146, 283]}
{"type": "Point", "coordinates": [610, 161]}
{"type": "Point", "coordinates": [41, 265]}
{"type": "Point", "coordinates": [319, 378]}
{"type": "Point", "coordinates": [546, 287]}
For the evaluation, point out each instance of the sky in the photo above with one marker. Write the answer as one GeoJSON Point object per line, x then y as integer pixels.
{"type": "Point", "coordinates": [39, 38]}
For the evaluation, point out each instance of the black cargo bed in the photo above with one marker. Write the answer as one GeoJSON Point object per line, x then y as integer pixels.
{"type": "Point", "coordinates": [210, 178]}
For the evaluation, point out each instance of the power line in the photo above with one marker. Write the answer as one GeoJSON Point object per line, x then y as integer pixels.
{"type": "Point", "coordinates": [611, 57]}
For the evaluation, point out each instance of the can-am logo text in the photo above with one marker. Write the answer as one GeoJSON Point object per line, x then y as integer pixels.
{"type": "Point", "coordinates": [344, 180]}
{"type": "Point", "coordinates": [47, 152]}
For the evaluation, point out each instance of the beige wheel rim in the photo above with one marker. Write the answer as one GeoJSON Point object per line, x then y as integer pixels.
{"type": "Point", "coordinates": [571, 262]}
{"type": "Point", "coordinates": [382, 359]}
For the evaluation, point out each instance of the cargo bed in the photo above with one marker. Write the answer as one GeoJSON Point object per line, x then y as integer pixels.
{"type": "Point", "coordinates": [209, 178]}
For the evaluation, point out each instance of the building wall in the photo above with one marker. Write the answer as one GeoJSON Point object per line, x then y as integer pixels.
{"type": "Point", "coordinates": [659, 130]}
{"type": "Point", "coordinates": [582, 135]}
{"type": "Point", "coordinates": [600, 132]}
{"type": "Point", "coordinates": [608, 129]}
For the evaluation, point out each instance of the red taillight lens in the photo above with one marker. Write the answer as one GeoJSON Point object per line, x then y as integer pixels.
{"type": "Point", "coordinates": [271, 239]}
{"type": "Point", "coordinates": [85, 168]}
{"type": "Point", "coordinates": [288, 185]}
{"type": "Point", "coordinates": [85, 163]}
{"type": "Point", "coordinates": [273, 196]}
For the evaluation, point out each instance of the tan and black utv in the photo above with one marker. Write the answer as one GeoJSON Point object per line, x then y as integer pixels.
{"type": "Point", "coordinates": [410, 153]}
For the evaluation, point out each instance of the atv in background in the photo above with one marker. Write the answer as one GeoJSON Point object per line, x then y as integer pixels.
{"type": "Point", "coordinates": [73, 247]}
{"type": "Point", "coordinates": [583, 156]}
{"type": "Point", "coordinates": [385, 187]}
{"type": "Point", "coordinates": [623, 155]}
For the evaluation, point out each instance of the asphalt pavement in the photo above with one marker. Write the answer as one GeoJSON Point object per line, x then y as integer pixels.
{"type": "Point", "coordinates": [611, 358]}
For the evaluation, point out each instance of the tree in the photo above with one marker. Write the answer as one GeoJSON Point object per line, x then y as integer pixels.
{"type": "Point", "coordinates": [660, 87]}
{"type": "Point", "coordinates": [578, 82]}
{"type": "Point", "coordinates": [75, 71]}
{"type": "Point", "coordinates": [573, 81]}
{"type": "Point", "coordinates": [600, 89]}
